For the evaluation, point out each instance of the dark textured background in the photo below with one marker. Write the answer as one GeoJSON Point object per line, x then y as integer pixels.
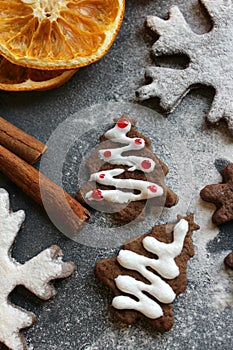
{"type": "Point", "coordinates": [77, 318]}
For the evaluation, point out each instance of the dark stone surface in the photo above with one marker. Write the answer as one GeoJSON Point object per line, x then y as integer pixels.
{"type": "Point", "coordinates": [77, 318]}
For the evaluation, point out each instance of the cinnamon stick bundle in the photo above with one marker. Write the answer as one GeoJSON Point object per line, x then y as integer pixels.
{"type": "Point", "coordinates": [20, 143]}
{"type": "Point", "coordinates": [65, 212]}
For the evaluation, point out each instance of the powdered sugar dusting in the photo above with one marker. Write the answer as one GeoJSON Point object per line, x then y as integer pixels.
{"type": "Point", "coordinates": [223, 290]}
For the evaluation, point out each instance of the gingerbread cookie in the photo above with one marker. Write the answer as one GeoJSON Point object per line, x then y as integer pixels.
{"type": "Point", "coordinates": [36, 275]}
{"type": "Point", "coordinates": [125, 173]}
{"type": "Point", "coordinates": [222, 196]}
{"type": "Point", "coordinates": [149, 272]}
{"type": "Point", "coordinates": [228, 261]}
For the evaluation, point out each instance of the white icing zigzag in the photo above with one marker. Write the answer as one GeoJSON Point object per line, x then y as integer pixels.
{"type": "Point", "coordinates": [115, 157]}
{"type": "Point", "coordinates": [165, 265]}
{"type": "Point", "coordinates": [148, 189]}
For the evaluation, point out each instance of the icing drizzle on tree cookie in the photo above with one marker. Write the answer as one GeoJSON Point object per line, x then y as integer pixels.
{"type": "Point", "coordinates": [164, 265]}
{"type": "Point", "coordinates": [147, 189]}
{"type": "Point", "coordinates": [114, 156]}
{"type": "Point", "coordinates": [118, 134]}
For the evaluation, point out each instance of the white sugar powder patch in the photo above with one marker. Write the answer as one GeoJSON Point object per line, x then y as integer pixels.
{"type": "Point", "coordinates": [223, 290]}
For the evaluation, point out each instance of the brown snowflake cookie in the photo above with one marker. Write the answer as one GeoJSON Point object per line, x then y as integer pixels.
{"type": "Point", "coordinates": [149, 272]}
{"type": "Point", "coordinates": [228, 261]}
{"type": "Point", "coordinates": [222, 196]}
{"type": "Point", "coordinates": [125, 174]}
{"type": "Point", "coordinates": [209, 60]}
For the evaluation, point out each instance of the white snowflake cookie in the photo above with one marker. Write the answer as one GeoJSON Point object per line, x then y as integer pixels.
{"type": "Point", "coordinates": [35, 275]}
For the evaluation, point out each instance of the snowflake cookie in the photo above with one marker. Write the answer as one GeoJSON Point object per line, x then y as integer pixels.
{"type": "Point", "coordinates": [149, 272]}
{"type": "Point", "coordinates": [210, 57]}
{"type": "Point", "coordinates": [35, 275]}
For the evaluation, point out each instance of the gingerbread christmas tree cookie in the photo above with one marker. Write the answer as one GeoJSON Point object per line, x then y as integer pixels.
{"type": "Point", "coordinates": [222, 196]}
{"type": "Point", "coordinates": [149, 272]}
{"type": "Point", "coordinates": [125, 174]}
{"type": "Point", "coordinates": [36, 275]}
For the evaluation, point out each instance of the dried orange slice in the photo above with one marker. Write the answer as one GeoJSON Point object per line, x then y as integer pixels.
{"type": "Point", "coordinates": [18, 78]}
{"type": "Point", "coordinates": [58, 34]}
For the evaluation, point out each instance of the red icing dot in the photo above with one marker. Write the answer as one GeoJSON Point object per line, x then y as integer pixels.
{"type": "Point", "coordinates": [152, 188]}
{"type": "Point", "coordinates": [102, 176]}
{"type": "Point", "coordinates": [138, 141]}
{"type": "Point", "coordinates": [97, 194]}
{"type": "Point", "coordinates": [107, 154]}
{"type": "Point", "coordinates": [146, 164]}
{"type": "Point", "coordinates": [122, 123]}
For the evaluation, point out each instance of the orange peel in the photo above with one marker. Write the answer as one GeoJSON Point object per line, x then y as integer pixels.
{"type": "Point", "coordinates": [18, 78]}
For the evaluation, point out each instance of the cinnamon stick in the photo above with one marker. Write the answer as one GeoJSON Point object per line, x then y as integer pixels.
{"type": "Point", "coordinates": [20, 143]}
{"type": "Point", "coordinates": [65, 212]}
